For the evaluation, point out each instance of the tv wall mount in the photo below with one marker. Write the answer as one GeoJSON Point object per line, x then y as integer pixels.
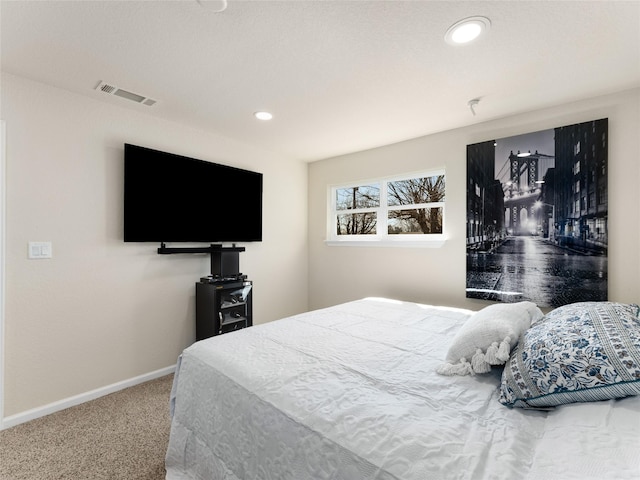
{"type": "Point", "coordinates": [225, 261]}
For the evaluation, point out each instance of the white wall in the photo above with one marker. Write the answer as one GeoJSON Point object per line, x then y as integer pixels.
{"type": "Point", "coordinates": [437, 275]}
{"type": "Point", "coordinates": [102, 311]}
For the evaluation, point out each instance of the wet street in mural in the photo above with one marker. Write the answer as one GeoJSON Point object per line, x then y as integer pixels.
{"type": "Point", "coordinates": [531, 268]}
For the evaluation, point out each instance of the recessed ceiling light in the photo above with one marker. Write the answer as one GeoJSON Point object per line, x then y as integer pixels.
{"type": "Point", "coordinates": [263, 115]}
{"type": "Point", "coordinates": [215, 6]}
{"type": "Point", "coordinates": [466, 30]}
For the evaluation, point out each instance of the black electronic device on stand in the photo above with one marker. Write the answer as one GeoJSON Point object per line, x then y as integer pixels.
{"type": "Point", "coordinates": [224, 298]}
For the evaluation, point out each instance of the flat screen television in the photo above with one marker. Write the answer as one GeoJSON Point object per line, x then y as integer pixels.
{"type": "Point", "coordinates": [172, 198]}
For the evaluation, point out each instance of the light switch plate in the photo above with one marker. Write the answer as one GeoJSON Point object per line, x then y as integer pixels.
{"type": "Point", "coordinates": [40, 250]}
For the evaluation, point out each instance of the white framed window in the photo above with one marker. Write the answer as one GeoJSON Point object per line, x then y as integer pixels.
{"type": "Point", "coordinates": [406, 210]}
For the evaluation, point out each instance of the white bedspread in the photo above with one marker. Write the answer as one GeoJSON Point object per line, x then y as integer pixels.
{"type": "Point", "coordinates": [350, 392]}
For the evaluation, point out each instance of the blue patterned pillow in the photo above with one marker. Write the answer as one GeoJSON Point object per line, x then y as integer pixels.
{"type": "Point", "coordinates": [580, 352]}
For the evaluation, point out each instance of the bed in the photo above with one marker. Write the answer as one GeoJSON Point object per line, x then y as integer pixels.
{"type": "Point", "coordinates": [384, 389]}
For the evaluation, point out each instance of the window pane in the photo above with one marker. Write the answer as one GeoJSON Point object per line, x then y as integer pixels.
{"type": "Point", "coordinates": [357, 224]}
{"type": "Point", "coordinates": [415, 221]}
{"type": "Point", "coordinates": [416, 190]}
{"type": "Point", "coordinates": [363, 196]}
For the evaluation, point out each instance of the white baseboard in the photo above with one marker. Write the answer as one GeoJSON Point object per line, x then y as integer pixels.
{"type": "Point", "coordinates": [38, 412]}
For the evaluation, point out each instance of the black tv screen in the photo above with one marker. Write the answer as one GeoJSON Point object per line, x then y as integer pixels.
{"type": "Point", "coordinates": [172, 198]}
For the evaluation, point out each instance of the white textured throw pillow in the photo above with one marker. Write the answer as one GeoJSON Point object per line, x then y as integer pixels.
{"type": "Point", "coordinates": [487, 338]}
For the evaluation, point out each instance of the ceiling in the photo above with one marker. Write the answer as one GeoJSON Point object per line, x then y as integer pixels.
{"type": "Point", "coordinates": [338, 76]}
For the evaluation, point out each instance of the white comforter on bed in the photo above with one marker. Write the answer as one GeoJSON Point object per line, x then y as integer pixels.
{"type": "Point", "coordinates": [350, 392]}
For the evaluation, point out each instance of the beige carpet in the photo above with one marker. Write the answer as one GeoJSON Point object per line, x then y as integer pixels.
{"type": "Point", "coordinates": [121, 436]}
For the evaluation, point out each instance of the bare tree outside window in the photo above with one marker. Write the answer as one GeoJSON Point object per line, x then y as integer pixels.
{"type": "Point", "coordinates": [355, 198]}
{"type": "Point", "coordinates": [357, 224]}
{"type": "Point", "coordinates": [398, 209]}
{"type": "Point", "coordinates": [416, 191]}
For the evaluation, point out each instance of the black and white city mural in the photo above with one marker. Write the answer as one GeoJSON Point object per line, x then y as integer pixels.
{"type": "Point", "coordinates": [537, 216]}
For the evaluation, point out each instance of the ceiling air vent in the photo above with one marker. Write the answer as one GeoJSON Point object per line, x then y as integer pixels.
{"type": "Point", "coordinates": [119, 92]}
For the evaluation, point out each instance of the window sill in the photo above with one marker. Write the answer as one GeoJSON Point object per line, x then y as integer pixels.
{"type": "Point", "coordinates": [387, 243]}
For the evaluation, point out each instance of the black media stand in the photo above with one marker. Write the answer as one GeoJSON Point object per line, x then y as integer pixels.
{"type": "Point", "coordinates": [223, 299]}
{"type": "Point", "coordinates": [222, 306]}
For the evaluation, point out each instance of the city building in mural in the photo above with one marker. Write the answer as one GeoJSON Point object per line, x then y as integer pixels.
{"type": "Point", "coordinates": [537, 216]}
